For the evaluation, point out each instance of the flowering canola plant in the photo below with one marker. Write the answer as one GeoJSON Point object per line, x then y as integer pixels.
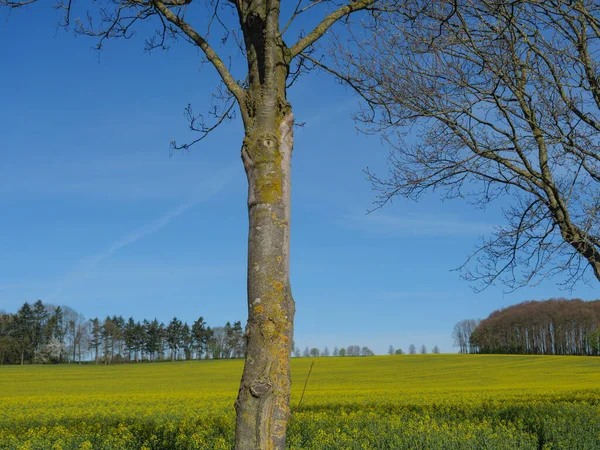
{"type": "Point", "coordinates": [387, 402]}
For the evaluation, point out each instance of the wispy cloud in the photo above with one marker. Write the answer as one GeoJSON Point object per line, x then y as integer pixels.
{"type": "Point", "coordinates": [378, 223]}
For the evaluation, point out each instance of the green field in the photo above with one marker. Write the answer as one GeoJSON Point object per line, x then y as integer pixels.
{"type": "Point", "coordinates": [396, 402]}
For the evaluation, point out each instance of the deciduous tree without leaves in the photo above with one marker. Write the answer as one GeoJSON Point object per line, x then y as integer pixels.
{"type": "Point", "coordinates": [461, 333]}
{"type": "Point", "coordinates": [488, 99]}
{"type": "Point", "coordinates": [260, 97]}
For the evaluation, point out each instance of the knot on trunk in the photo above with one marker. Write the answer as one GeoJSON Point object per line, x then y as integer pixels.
{"type": "Point", "coordinates": [259, 389]}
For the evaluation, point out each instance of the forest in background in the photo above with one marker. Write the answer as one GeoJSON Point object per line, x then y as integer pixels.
{"type": "Point", "coordinates": [45, 333]}
{"type": "Point", "coordinates": [41, 333]}
{"type": "Point", "coordinates": [549, 327]}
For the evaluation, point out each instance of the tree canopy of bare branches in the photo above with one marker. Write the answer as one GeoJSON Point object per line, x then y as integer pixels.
{"type": "Point", "coordinates": [461, 335]}
{"type": "Point", "coordinates": [486, 100]}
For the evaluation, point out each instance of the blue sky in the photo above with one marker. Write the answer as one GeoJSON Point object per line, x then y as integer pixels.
{"type": "Point", "coordinates": [98, 216]}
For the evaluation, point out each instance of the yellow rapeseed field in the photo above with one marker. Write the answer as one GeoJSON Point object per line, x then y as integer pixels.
{"type": "Point", "coordinates": [386, 402]}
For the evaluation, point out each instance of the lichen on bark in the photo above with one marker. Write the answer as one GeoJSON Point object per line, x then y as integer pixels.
{"type": "Point", "coordinates": [263, 399]}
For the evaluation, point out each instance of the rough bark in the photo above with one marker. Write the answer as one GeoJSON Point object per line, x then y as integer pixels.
{"type": "Point", "coordinates": [262, 405]}
{"type": "Point", "coordinates": [263, 400]}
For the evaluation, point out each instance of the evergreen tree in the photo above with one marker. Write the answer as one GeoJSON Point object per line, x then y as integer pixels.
{"type": "Point", "coordinates": [96, 337]}
{"type": "Point", "coordinates": [40, 315]}
{"type": "Point", "coordinates": [58, 326]}
{"type": "Point", "coordinates": [9, 348]}
{"type": "Point", "coordinates": [174, 337]}
{"type": "Point", "coordinates": [235, 340]}
{"type": "Point", "coordinates": [201, 335]}
{"type": "Point", "coordinates": [24, 327]}
{"type": "Point", "coordinates": [187, 341]}
{"type": "Point", "coordinates": [118, 333]}
{"type": "Point", "coordinates": [140, 338]}
{"type": "Point", "coordinates": [129, 338]}
{"type": "Point", "coordinates": [153, 343]}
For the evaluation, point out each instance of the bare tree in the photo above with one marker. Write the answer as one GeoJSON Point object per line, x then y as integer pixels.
{"type": "Point", "coordinates": [366, 351]}
{"type": "Point", "coordinates": [461, 333]}
{"type": "Point", "coordinates": [353, 350]}
{"type": "Point", "coordinates": [435, 350]}
{"type": "Point", "coordinates": [493, 99]}
{"type": "Point", "coordinates": [218, 343]}
{"type": "Point", "coordinates": [82, 336]}
{"type": "Point", "coordinates": [412, 350]}
{"type": "Point", "coordinates": [423, 350]}
{"type": "Point", "coordinates": [259, 95]}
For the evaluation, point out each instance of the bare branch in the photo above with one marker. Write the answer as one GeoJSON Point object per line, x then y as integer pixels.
{"type": "Point", "coordinates": [483, 99]}
{"type": "Point", "coordinates": [16, 4]}
{"type": "Point", "coordinates": [198, 124]}
{"type": "Point", "coordinates": [326, 23]}
{"type": "Point", "coordinates": [211, 55]}
{"type": "Point", "coordinates": [298, 11]}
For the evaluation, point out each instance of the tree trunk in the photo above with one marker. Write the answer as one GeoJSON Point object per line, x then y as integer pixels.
{"type": "Point", "coordinates": [263, 400]}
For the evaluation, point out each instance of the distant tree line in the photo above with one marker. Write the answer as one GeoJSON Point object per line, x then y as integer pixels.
{"type": "Point", "coordinates": [412, 350]}
{"type": "Point", "coordinates": [550, 327]}
{"type": "Point", "coordinates": [45, 333]}
{"type": "Point", "coordinates": [352, 350]}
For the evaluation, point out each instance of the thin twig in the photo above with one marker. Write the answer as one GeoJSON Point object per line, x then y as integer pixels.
{"type": "Point", "coordinates": [305, 383]}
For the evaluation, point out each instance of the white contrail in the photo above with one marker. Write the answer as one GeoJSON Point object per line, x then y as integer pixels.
{"type": "Point", "coordinates": [87, 265]}
{"type": "Point", "coordinates": [147, 229]}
